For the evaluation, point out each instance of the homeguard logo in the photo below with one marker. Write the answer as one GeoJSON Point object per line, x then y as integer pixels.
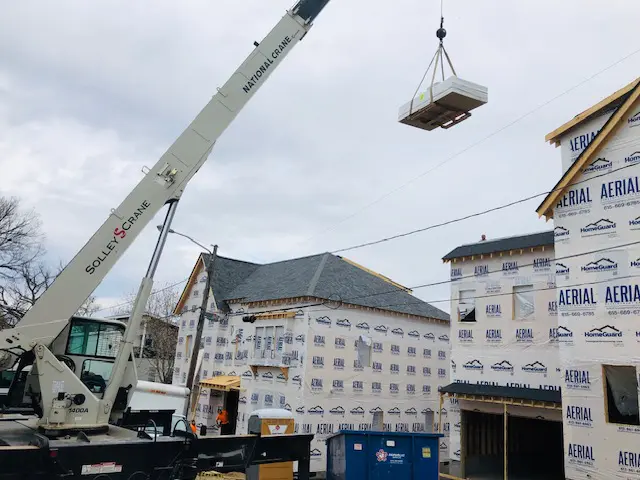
{"type": "Point", "coordinates": [633, 158]}
{"type": "Point", "coordinates": [444, 338]}
{"type": "Point", "coordinates": [481, 270]}
{"type": "Point", "coordinates": [561, 233]}
{"type": "Point", "coordinates": [634, 120]}
{"type": "Point", "coordinates": [323, 320]}
{"type": "Point", "coordinates": [561, 269]}
{"type": "Point", "coordinates": [411, 411]}
{"type": "Point", "coordinates": [398, 331]}
{"type": "Point", "coordinates": [413, 334]}
{"type": "Point", "coordinates": [280, 378]}
{"type": "Point", "coordinates": [604, 226]}
{"type": "Point", "coordinates": [381, 329]}
{"type": "Point", "coordinates": [607, 333]}
{"type": "Point", "coordinates": [424, 411]}
{"type": "Point", "coordinates": [577, 379]}
{"type": "Point", "coordinates": [363, 326]}
{"type": "Point", "coordinates": [456, 273]}
{"type": "Point", "coordinates": [561, 334]}
{"type": "Point", "coordinates": [510, 268]}
{"type": "Point", "coordinates": [300, 410]}
{"type": "Point", "coordinates": [579, 416]}
{"type": "Point", "coordinates": [503, 366]}
{"type": "Point", "coordinates": [344, 323]}
{"type": "Point", "coordinates": [300, 338]}
{"type": "Point", "coordinates": [443, 446]}
{"type": "Point", "coordinates": [337, 411]}
{"type": "Point", "coordinates": [267, 376]}
{"type": "Point", "coordinates": [315, 453]}
{"type": "Point", "coordinates": [242, 400]}
{"type": "Point", "coordinates": [297, 380]}
{"type": "Point", "coordinates": [602, 265]}
{"type": "Point", "coordinates": [598, 165]}
{"type": "Point", "coordinates": [375, 410]}
{"type": "Point", "coordinates": [429, 336]}
{"type": "Point", "coordinates": [465, 335]}
{"type": "Point", "coordinates": [541, 264]}
{"type": "Point", "coordinates": [634, 224]}
{"type": "Point", "coordinates": [287, 407]}
{"type": "Point", "coordinates": [580, 454]}
{"type": "Point", "coordinates": [635, 263]}
{"type": "Point", "coordinates": [317, 410]}
{"type": "Point", "coordinates": [357, 411]}
{"type": "Point", "coordinates": [394, 411]}
{"type": "Point", "coordinates": [535, 367]}
{"type": "Point", "coordinates": [247, 374]}
{"type": "Point", "coordinates": [475, 365]}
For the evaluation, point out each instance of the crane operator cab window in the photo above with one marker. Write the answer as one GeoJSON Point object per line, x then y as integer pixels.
{"type": "Point", "coordinates": [93, 345]}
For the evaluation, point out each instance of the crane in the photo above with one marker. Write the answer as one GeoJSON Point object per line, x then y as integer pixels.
{"type": "Point", "coordinates": [65, 396]}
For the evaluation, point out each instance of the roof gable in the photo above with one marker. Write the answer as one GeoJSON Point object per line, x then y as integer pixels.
{"type": "Point", "coordinates": [602, 137]}
{"type": "Point", "coordinates": [611, 102]}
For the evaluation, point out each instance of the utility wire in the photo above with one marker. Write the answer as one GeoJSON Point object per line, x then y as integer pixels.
{"type": "Point", "coordinates": [475, 144]}
{"type": "Point", "coordinates": [425, 285]}
{"type": "Point", "coordinates": [477, 214]}
{"type": "Point", "coordinates": [155, 292]}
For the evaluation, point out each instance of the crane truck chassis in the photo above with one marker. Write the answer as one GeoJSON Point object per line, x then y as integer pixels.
{"type": "Point", "coordinates": [72, 417]}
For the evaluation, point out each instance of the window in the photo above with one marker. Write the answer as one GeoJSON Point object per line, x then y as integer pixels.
{"type": "Point", "coordinates": [152, 374]}
{"type": "Point", "coordinates": [94, 339]}
{"type": "Point", "coordinates": [523, 302]}
{"type": "Point", "coordinates": [184, 322]}
{"type": "Point", "coordinates": [467, 306]}
{"type": "Point", "coordinates": [364, 346]}
{"type": "Point", "coordinates": [95, 375]}
{"type": "Point", "coordinates": [621, 394]}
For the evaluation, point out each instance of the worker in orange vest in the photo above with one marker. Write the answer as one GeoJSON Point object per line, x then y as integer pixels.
{"type": "Point", "coordinates": [222, 420]}
{"type": "Point", "coordinates": [194, 429]}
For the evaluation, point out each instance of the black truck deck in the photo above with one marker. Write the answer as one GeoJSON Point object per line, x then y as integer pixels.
{"type": "Point", "coordinates": [121, 453]}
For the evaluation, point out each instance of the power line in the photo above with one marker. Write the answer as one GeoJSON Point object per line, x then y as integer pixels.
{"type": "Point", "coordinates": [472, 215]}
{"type": "Point", "coordinates": [466, 149]}
{"type": "Point", "coordinates": [425, 285]}
{"type": "Point", "coordinates": [155, 292]}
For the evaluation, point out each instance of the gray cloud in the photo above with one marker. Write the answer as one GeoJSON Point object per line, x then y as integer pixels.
{"type": "Point", "coordinates": [91, 93]}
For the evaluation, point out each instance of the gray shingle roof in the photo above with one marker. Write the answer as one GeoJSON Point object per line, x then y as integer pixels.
{"type": "Point", "coordinates": [324, 276]}
{"type": "Point", "coordinates": [228, 274]}
{"type": "Point", "coordinates": [502, 245]}
{"type": "Point", "coordinates": [517, 393]}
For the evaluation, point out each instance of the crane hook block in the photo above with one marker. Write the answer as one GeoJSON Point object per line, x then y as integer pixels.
{"type": "Point", "coordinates": [444, 104]}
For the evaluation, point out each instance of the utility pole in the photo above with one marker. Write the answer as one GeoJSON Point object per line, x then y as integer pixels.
{"type": "Point", "coordinates": [196, 341]}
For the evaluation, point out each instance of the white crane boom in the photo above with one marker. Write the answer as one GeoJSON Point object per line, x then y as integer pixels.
{"type": "Point", "coordinates": [165, 181]}
{"type": "Point", "coordinates": [63, 398]}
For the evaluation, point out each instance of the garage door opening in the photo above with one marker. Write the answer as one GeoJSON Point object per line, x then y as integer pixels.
{"type": "Point", "coordinates": [534, 447]}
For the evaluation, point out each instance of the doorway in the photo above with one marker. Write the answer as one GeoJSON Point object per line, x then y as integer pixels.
{"type": "Point", "coordinates": [231, 405]}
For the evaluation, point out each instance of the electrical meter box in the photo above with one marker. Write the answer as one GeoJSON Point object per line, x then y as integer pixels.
{"type": "Point", "coordinates": [271, 421]}
{"type": "Point", "coordinates": [453, 100]}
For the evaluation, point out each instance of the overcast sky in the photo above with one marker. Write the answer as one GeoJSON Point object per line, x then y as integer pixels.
{"type": "Point", "coordinates": [90, 92]}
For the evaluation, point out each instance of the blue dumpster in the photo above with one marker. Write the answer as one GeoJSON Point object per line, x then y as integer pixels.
{"type": "Point", "coordinates": [368, 455]}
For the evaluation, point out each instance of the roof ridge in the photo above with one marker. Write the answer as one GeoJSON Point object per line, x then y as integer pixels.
{"type": "Point", "coordinates": [498, 239]}
{"type": "Point", "coordinates": [297, 258]}
{"type": "Point", "coordinates": [232, 259]}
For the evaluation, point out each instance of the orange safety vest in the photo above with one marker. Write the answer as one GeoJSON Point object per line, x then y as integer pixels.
{"type": "Point", "coordinates": [194, 429]}
{"type": "Point", "coordinates": [223, 417]}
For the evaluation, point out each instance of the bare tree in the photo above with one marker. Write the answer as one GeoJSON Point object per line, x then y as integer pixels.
{"type": "Point", "coordinates": [161, 329]}
{"type": "Point", "coordinates": [20, 238]}
{"type": "Point", "coordinates": [20, 293]}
